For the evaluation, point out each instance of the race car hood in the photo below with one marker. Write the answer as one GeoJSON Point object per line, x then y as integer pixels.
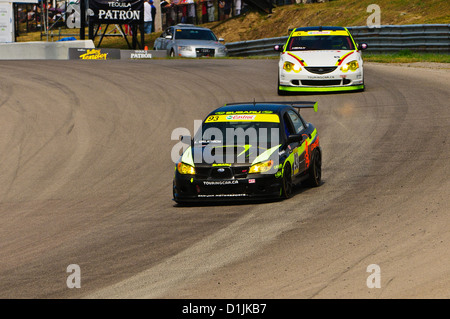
{"type": "Point", "coordinates": [229, 154]}
{"type": "Point", "coordinates": [319, 58]}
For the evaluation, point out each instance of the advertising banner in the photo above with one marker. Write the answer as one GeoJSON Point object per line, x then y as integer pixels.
{"type": "Point", "coordinates": [142, 54]}
{"type": "Point", "coordinates": [6, 22]}
{"type": "Point", "coordinates": [93, 54]}
{"type": "Point", "coordinates": [117, 12]}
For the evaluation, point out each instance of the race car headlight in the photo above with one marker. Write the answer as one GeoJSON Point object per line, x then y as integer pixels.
{"type": "Point", "coordinates": [352, 66]}
{"type": "Point", "coordinates": [261, 167]}
{"type": "Point", "coordinates": [184, 48]}
{"type": "Point", "coordinates": [223, 50]}
{"type": "Point", "coordinates": [289, 66]}
{"type": "Point", "coordinates": [185, 169]}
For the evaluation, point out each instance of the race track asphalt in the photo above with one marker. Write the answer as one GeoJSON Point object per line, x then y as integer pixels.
{"type": "Point", "coordinates": [86, 178]}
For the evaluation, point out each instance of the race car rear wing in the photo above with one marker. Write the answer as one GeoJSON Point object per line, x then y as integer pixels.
{"type": "Point", "coordinates": [295, 104]}
{"type": "Point", "coordinates": [299, 104]}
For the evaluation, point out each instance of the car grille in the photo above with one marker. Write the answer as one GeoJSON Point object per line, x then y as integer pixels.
{"type": "Point", "coordinates": [205, 52]}
{"type": "Point", "coordinates": [221, 173]}
{"type": "Point", "coordinates": [202, 172]}
{"type": "Point", "coordinates": [320, 69]}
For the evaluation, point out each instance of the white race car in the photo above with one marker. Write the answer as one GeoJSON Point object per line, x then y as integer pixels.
{"type": "Point", "coordinates": [320, 59]}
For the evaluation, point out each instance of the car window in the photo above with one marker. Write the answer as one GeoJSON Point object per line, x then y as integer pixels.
{"type": "Point", "coordinates": [296, 121]}
{"type": "Point", "coordinates": [328, 42]}
{"type": "Point", "coordinates": [195, 34]}
{"type": "Point", "coordinates": [289, 128]}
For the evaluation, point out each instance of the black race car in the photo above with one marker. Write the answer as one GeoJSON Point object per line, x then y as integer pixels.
{"type": "Point", "coordinates": [249, 151]}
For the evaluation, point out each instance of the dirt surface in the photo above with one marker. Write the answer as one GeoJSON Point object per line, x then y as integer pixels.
{"type": "Point", "coordinates": [86, 177]}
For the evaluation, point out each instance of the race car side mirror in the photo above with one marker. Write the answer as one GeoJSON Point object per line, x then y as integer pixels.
{"type": "Point", "coordinates": [294, 138]}
{"type": "Point", "coordinates": [362, 46]}
{"type": "Point", "coordinates": [278, 48]}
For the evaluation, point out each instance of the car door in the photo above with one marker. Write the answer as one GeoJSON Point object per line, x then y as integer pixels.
{"type": "Point", "coordinates": [297, 127]}
{"type": "Point", "coordinates": [165, 40]}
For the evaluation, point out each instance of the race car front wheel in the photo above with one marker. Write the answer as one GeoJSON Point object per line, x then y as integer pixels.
{"type": "Point", "coordinates": [315, 170]}
{"type": "Point", "coordinates": [286, 190]}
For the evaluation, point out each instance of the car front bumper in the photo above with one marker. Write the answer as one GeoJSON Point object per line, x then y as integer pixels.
{"type": "Point", "coordinates": [321, 89]}
{"type": "Point", "coordinates": [187, 188]}
{"type": "Point", "coordinates": [305, 81]}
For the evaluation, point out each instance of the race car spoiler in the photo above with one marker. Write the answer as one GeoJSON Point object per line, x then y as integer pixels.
{"type": "Point", "coordinates": [301, 104]}
{"type": "Point", "coordinates": [295, 104]}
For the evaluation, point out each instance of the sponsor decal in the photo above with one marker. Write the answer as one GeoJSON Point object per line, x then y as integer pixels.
{"type": "Point", "coordinates": [93, 54]}
{"type": "Point", "coordinates": [209, 183]}
{"type": "Point", "coordinates": [319, 32]}
{"type": "Point", "coordinates": [140, 55]}
{"type": "Point", "coordinates": [243, 112]}
{"type": "Point", "coordinates": [325, 77]}
{"type": "Point", "coordinates": [241, 117]}
{"type": "Point", "coordinates": [252, 181]}
{"type": "Point", "coordinates": [314, 33]}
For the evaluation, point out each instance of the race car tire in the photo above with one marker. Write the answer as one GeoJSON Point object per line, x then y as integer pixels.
{"type": "Point", "coordinates": [315, 170]}
{"type": "Point", "coordinates": [286, 190]}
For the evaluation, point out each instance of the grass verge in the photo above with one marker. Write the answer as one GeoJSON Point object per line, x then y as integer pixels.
{"type": "Point", "coordinates": [406, 56]}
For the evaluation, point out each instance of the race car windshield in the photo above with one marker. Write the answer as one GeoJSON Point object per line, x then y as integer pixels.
{"type": "Point", "coordinates": [328, 42]}
{"type": "Point", "coordinates": [264, 134]}
{"type": "Point", "coordinates": [192, 34]}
